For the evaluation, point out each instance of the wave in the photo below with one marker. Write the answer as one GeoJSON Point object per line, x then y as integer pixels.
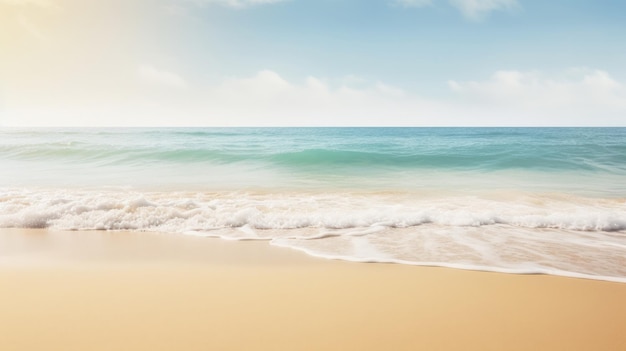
{"type": "Point", "coordinates": [449, 159]}
{"type": "Point", "coordinates": [487, 160]}
{"type": "Point", "coordinates": [514, 232]}
{"type": "Point", "coordinates": [485, 149]}
{"type": "Point", "coordinates": [180, 211]}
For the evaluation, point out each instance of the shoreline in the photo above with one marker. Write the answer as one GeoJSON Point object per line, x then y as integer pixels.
{"type": "Point", "coordinates": [149, 291]}
{"type": "Point", "coordinates": [465, 267]}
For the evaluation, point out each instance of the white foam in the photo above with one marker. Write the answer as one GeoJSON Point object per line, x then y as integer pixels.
{"type": "Point", "coordinates": [501, 248]}
{"type": "Point", "coordinates": [515, 232]}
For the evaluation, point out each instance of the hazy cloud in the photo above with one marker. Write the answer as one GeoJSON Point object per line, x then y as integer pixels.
{"type": "Point", "coordinates": [272, 100]}
{"type": "Point", "coordinates": [159, 77]}
{"type": "Point", "coordinates": [580, 96]}
{"type": "Point", "coordinates": [478, 9]}
{"type": "Point", "coordinates": [577, 97]}
{"type": "Point", "coordinates": [474, 10]}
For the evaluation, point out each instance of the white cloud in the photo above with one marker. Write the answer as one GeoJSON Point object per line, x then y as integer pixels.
{"type": "Point", "coordinates": [579, 97]}
{"type": "Point", "coordinates": [478, 9]}
{"type": "Point", "coordinates": [268, 99]}
{"type": "Point", "coordinates": [412, 3]}
{"type": "Point", "coordinates": [584, 96]}
{"type": "Point", "coordinates": [576, 97]}
{"type": "Point", "coordinates": [234, 3]}
{"type": "Point", "coordinates": [474, 10]}
{"type": "Point", "coordinates": [159, 77]}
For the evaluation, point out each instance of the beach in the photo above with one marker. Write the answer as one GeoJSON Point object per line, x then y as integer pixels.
{"type": "Point", "coordinates": [313, 239]}
{"type": "Point", "coordinates": [147, 291]}
{"type": "Point", "coordinates": [193, 175]}
{"type": "Point", "coordinates": [507, 200]}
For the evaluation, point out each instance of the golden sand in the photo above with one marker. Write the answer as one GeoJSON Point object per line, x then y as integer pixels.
{"type": "Point", "coordinates": [143, 291]}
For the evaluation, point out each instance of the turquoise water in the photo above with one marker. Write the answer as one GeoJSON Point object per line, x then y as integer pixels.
{"type": "Point", "coordinates": [587, 160]}
{"type": "Point", "coordinates": [518, 200]}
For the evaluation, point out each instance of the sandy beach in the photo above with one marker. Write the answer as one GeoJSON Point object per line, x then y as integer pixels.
{"type": "Point", "coordinates": [145, 291]}
{"type": "Point", "coordinates": [269, 175]}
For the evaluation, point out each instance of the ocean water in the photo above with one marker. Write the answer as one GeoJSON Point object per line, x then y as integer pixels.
{"type": "Point", "coordinates": [516, 200]}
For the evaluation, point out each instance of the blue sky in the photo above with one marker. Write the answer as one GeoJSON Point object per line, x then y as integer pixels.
{"type": "Point", "coordinates": [429, 44]}
{"type": "Point", "coordinates": [306, 62]}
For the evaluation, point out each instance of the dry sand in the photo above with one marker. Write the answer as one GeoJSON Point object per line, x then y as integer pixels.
{"type": "Point", "coordinates": [145, 291]}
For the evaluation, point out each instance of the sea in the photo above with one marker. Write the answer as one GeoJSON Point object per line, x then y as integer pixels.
{"type": "Point", "coordinates": [512, 200]}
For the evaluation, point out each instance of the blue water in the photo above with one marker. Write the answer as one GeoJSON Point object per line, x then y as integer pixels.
{"type": "Point", "coordinates": [519, 200]}
{"type": "Point", "coordinates": [590, 160]}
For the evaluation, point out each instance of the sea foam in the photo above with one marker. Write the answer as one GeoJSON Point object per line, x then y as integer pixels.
{"type": "Point", "coordinates": [515, 232]}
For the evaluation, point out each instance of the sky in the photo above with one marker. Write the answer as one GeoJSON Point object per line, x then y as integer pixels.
{"type": "Point", "coordinates": [312, 63]}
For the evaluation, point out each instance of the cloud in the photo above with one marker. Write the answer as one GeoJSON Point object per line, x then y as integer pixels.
{"type": "Point", "coordinates": [576, 97]}
{"type": "Point", "coordinates": [579, 96]}
{"type": "Point", "coordinates": [582, 96]}
{"type": "Point", "coordinates": [273, 100]}
{"type": "Point", "coordinates": [154, 76]}
{"type": "Point", "coordinates": [234, 3]}
{"type": "Point", "coordinates": [478, 9]}
{"type": "Point", "coordinates": [474, 10]}
{"type": "Point", "coordinates": [412, 3]}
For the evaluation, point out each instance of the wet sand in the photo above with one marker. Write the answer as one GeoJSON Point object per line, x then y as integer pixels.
{"type": "Point", "coordinates": [146, 291]}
